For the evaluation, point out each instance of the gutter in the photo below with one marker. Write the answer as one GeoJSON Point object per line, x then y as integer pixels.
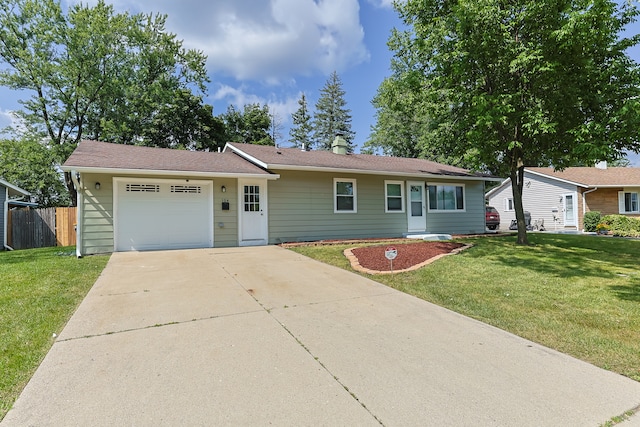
{"type": "Point", "coordinates": [584, 199]}
{"type": "Point", "coordinates": [76, 182]}
{"type": "Point", "coordinates": [584, 203]}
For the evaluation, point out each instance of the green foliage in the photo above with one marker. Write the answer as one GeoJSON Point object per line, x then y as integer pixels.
{"type": "Point", "coordinates": [39, 291]}
{"type": "Point", "coordinates": [622, 225]}
{"type": "Point", "coordinates": [504, 85]}
{"type": "Point", "coordinates": [26, 162]}
{"type": "Point", "coordinates": [331, 116]}
{"type": "Point", "coordinates": [300, 132]}
{"type": "Point", "coordinates": [251, 126]}
{"type": "Point", "coordinates": [591, 220]}
{"type": "Point", "coordinates": [94, 73]}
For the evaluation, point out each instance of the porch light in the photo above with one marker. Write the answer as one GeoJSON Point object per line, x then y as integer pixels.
{"type": "Point", "coordinates": [97, 185]}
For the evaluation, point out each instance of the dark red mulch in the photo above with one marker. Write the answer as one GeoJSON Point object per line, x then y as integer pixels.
{"type": "Point", "coordinates": [410, 254]}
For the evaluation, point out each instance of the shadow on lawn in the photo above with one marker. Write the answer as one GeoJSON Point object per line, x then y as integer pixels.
{"type": "Point", "coordinates": [564, 256]}
{"type": "Point", "coordinates": [628, 293]}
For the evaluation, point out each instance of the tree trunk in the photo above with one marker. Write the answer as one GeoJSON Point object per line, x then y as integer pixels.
{"type": "Point", "coordinates": [73, 195]}
{"type": "Point", "coordinates": [517, 178]}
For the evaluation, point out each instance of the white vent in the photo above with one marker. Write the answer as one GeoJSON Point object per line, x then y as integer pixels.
{"type": "Point", "coordinates": [143, 188]}
{"type": "Point", "coordinates": [193, 189]}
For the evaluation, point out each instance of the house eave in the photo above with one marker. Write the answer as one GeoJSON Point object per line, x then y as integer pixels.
{"type": "Point", "coordinates": [377, 172]}
{"type": "Point", "coordinates": [566, 181]}
{"type": "Point", "coordinates": [158, 172]}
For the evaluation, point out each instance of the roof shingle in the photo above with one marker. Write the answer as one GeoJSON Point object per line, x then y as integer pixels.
{"type": "Point", "coordinates": [594, 177]}
{"type": "Point", "coordinates": [105, 155]}
{"type": "Point", "coordinates": [285, 158]}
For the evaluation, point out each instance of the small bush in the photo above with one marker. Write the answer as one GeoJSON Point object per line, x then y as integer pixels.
{"type": "Point", "coordinates": [591, 220]}
{"type": "Point", "coordinates": [621, 225]}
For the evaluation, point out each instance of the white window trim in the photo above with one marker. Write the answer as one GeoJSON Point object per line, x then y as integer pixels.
{"type": "Point", "coordinates": [621, 209]}
{"type": "Point", "coordinates": [506, 204]}
{"type": "Point", "coordinates": [386, 197]}
{"type": "Point", "coordinates": [446, 211]}
{"type": "Point", "coordinates": [335, 195]}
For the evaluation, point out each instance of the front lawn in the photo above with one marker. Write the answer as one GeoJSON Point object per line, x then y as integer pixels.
{"type": "Point", "coordinates": [39, 291]}
{"type": "Point", "coordinates": [577, 294]}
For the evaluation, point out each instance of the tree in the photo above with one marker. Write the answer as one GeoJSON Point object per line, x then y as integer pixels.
{"type": "Point", "coordinates": [26, 162]}
{"type": "Point", "coordinates": [512, 84]}
{"type": "Point", "coordinates": [300, 132]}
{"type": "Point", "coordinates": [275, 128]}
{"type": "Point", "coordinates": [249, 126]}
{"type": "Point", "coordinates": [94, 73]}
{"type": "Point", "coordinates": [331, 117]}
{"type": "Point", "coordinates": [185, 123]}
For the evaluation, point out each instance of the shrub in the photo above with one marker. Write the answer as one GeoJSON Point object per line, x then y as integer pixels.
{"type": "Point", "coordinates": [621, 225]}
{"type": "Point", "coordinates": [591, 220]}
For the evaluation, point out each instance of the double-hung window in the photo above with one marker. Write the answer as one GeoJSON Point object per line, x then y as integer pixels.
{"type": "Point", "coordinates": [628, 202]}
{"type": "Point", "coordinates": [508, 204]}
{"type": "Point", "coordinates": [345, 195]}
{"type": "Point", "coordinates": [394, 196]}
{"type": "Point", "coordinates": [446, 198]}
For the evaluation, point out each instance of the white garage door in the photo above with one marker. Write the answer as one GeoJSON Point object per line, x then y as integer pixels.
{"type": "Point", "coordinates": [162, 214]}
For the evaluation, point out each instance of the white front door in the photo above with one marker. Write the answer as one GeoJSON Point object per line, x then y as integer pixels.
{"type": "Point", "coordinates": [569, 210]}
{"type": "Point", "coordinates": [253, 212]}
{"type": "Point", "coordinates": [417, 212]}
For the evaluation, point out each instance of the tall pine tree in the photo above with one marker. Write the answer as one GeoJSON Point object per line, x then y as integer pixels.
{"type": "Point", "coordinates": [300, 132]}
{"type": "Point", "coordinates": [331, 116]}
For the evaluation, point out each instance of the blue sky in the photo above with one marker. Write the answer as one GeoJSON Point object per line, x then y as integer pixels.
{"type": "Point", "coordinates": [270, 51]}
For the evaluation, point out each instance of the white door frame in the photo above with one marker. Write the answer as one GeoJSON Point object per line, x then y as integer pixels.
{"type": "Point", "coordinates": [262, 237]}
{"type": "Point", "coordinates": [573, 220]}
{"type": "Point", "coordinates": [414, 223]}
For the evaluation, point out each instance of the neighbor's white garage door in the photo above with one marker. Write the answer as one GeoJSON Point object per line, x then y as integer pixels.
{"type": "Point", "coordinates": [162, 214]}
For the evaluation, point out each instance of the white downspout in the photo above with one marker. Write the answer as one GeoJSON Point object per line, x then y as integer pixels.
{"type": "Point", "coordinates": [584, 203]}
{"type": "Point", "coordinates": [80, 193]}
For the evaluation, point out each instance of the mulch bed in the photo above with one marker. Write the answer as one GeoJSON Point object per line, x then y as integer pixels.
{"type": "Point", "coordinates": [372, 260]}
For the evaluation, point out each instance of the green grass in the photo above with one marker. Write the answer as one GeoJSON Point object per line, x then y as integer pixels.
{"type": "Point", "coordinates": [577, 294]}
{"type": "Point", "coordinates": [39, 291]}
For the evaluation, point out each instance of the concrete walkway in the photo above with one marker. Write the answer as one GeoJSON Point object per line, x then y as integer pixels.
{"type": "Point", "coordinates": [263, 336]}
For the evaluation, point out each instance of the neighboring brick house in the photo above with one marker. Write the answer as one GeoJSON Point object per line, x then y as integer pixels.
{"type": "Point", "coordinates": [561, 198]}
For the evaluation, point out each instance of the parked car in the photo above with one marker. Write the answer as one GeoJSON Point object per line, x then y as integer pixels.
{"type": "Point", "coordinates": [492, 218]}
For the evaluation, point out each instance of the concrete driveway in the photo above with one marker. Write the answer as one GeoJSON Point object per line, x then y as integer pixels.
{"type": "Point", "coordinates": [263, 336]}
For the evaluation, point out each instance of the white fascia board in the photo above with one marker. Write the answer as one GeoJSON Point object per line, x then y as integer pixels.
{"type": "Point", "coordinates": [566, 181]}
{"type": "Point", "coordinates": [245, 156]}
{"type": "Point", "coordinates": [148, 172]}
{"type": "Point", "coordinates": [499, 187]}
{"type": "Point", "coordinates": [376, 172]}
{"type": "Point", "coordinates": [14, 188]}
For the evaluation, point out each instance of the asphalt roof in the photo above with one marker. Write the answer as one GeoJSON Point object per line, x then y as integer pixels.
{"type": "Point", "coordinates": [105, 155]}
{"type": "Point", "coordinates": [593, 177]}
{"type": "Point", "coordinates": [290, 158]}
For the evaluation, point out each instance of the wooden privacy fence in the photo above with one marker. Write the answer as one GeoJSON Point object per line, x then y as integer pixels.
{"type": "Point", "coordinates": [39, 228]}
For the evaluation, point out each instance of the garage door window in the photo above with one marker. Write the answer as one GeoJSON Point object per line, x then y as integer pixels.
{"type": "Point", "coordinates": [192, 189]}
{"type": "Point", "coordinates": [143, 188]}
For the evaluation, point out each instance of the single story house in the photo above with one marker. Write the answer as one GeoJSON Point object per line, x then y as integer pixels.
{"type": "Point", "coordinates": [141, 198]}
{"type": "Point", "coordinates": [561, 198]}
{"type": "Point", "coordinates": [10, 196]}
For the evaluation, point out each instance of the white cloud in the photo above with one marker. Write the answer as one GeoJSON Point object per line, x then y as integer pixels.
{"type": "Point", "coordinates": [382, 3]}
{"type": "Point", "coordinates": [8, 118]}
{"type": "Point", "coordinates": [241, 96]}
{"type": "Point", "coordinates": [269, 41]}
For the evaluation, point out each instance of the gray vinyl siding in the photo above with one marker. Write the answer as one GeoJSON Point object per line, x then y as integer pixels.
{"type": "Point", "coordinates": [97, 220]}
{"type": "Point", "coordinates": [470, 221]}
{"type": "Point", "coordinates": [301, 208]}
{"type": "Point", "coordinates": [3, 215]}
{"type": "Point", "coordinates": [225, 223]}
{"type": "Point", "coordinates": [540, 198]}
